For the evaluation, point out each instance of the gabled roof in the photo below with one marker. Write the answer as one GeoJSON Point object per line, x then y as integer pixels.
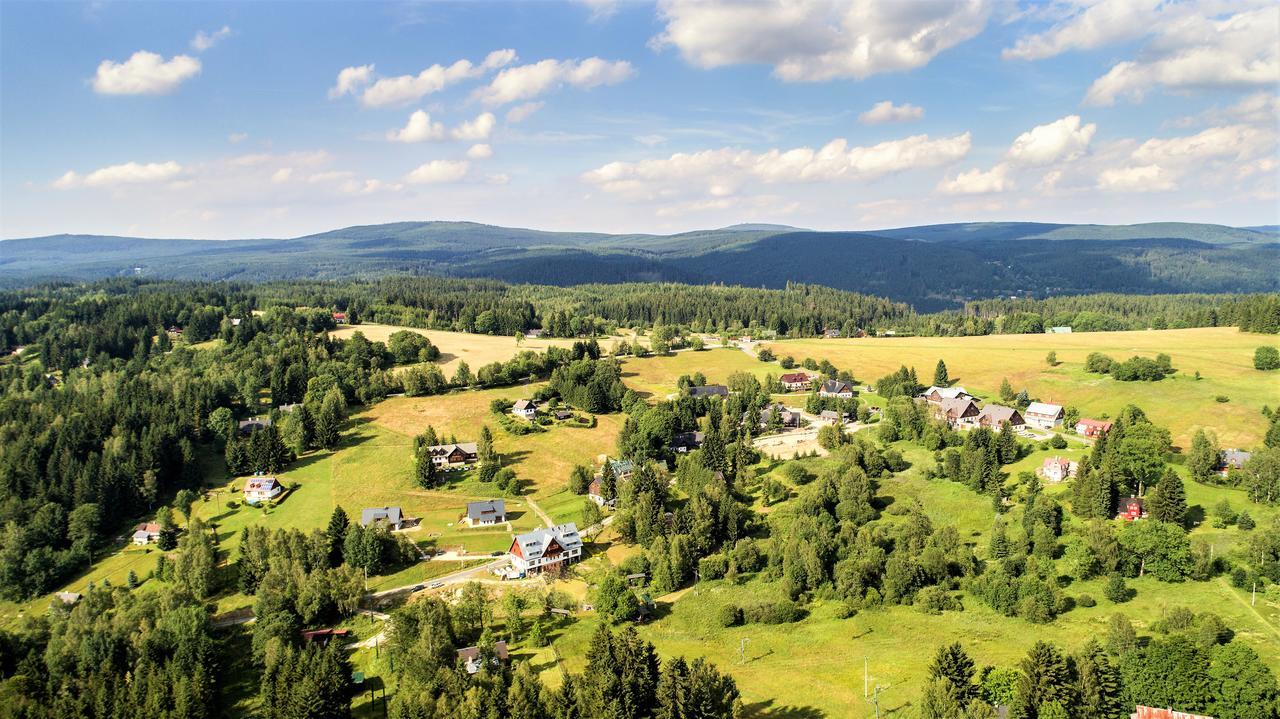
{"type": "Point", "coordinates": [486, 509]}
{"type": "Point", "coordinates": [687, 439]}
{"type": "Point", "coordinates": [1062, 463]}
{"type": "Point", "coordinates": [957, 406]}
{"type": "Point", "coordinates": [261, 484]}
{"type": "Point", "coordinates": [390, 515]}
{"type": "Point", "coordinates": [524, 404]}
{"type": "Point", "coordinates": [469, 654]}
{"type": "Point", "coordinates": [793, 377]}
{"type": "Point", "coordinates": [1234, 457]}
{"type": "Point", "coordinates": [708, 390]}
{"type": "Point", "coordinates": [437, 450]}
{"type": "Point", "coordinates": [999, 414]}
{"type": "Point", "coordinates": [1044, 408]}
{"type": "Point", "coordinates": [622, 466]}
{"type": "Point", "coordinates": [947, 392]}
{"type": "Point", "coordinates": [148, 527]}
{"type": "Point", "coordinates": [1095, 423]}
{"type": "Point", "coordinates": [836, 386]}
{"type": "Point", "coordinates": [533, 544]}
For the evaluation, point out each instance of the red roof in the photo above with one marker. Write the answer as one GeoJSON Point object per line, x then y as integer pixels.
{"type": "Point", "coordinates": [339, 315]}
{"type": "Point", "coordinates": [794, 377]}
{"type": "Point", "coordinates": [1142, 712]}
{"type": "Point", "coordinates": [1095, 423]}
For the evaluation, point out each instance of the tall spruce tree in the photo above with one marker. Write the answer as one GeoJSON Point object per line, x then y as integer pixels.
{"type": "Point", "coordinates": [1098, 684]}
{"type": "Point", "coordinates": [940, 378]}
{"type": "Point", "coordinates": [1168, 501]}
{"type": "Point", "coordinates": [952, 664]}
{"type": "Point", "coordinates": [1045, 676]}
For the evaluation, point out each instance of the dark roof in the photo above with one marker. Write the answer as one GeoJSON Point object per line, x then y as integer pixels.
{"type": "Point", "coordinates": [687, 439]}
{"type": "Point", "coordinates": [836, 386]}
{"type": "Point", "coordinates": [467, 654]}
{"type": "Point", "coordinates": [390, 515]}
{"type": "Point", "coordinates": [1234, 458]}
{"type": "Point", "coordinates": [708, 390]}
{"type": "Point", "coordinates": [489, 507]}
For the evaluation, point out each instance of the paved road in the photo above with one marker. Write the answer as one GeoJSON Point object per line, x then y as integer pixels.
{"type": "Point", "coordinates": [454, 578]}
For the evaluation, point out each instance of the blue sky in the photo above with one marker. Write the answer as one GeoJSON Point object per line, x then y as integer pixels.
{"type": "Point", "coordinates": [279, 119]}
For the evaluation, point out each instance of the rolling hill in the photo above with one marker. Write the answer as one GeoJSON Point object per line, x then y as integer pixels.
{"type": "Point", "coordinates": [932, 267]}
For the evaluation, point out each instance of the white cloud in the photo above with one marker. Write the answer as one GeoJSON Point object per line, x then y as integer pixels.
{"type": "Point", "coordinates": [527, 81]}
{"type": "Point", "coordinates": [236, 138]}
{"type": "Point", "coordinates": [1064, 139]}
{"type": "Point", "coordinates": [369, 187]}
{"type": "Point", "coordinates": [404, 89]}
{"type": "Point", "coordinates": [419, 128]}
{"type": "Point", "coordinates": [478, 129]}
{"type": "Point", "coordinates": [205, 40]}
{"type": "Point", "coordinates": [129, 173]}
{"type": "Point", "coordinates": [818, 40]}
{"type": "Point", "coordinates": [978, 182]}
{"type": "Point", "coordinates": [1091, 25]}
{"type": "Point", "coordinates": [282, 175]}
{"type": "Point", "coordinates": [1234, 141]}
{"type": "Point", "coordinates": [601, 10]}
{"type": "Point", "coordinates": [438, 171]}
{"type": "Point", "coordinates": [1198, 52]}
{"type": "Point", "coordinates": [651, 140]}
{"type": "Point", "coordinates": [480, 152]}
{"type": "Point", "coordinates": [721, 172]}
{"type": "Point", "coordinates": [328, 176]}
{"type": "Point", "coordinates": [886, 111]}
{"type": "Point", "coordinates": [1143, 178]}
{"type": "Point", "coordinates": [520, 113]}
{"type": "Point", "coordinates": [350, 80]}
{"type": "Point", "coordinates": [144, 73]}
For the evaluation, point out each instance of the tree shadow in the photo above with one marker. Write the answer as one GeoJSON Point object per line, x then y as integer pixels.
{"type": "Point", "coordinates": [1195, 515]}
{"type": "Point", "coordinates": [767, 710]}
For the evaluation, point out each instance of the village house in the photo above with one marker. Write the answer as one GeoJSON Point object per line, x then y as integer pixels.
{"type": "Point", "coordinates": [146, 533]}
{"type": "Point", "coordinates": [322, 637]}
{"type": "Point", "coordinates": [1229, 459]}
{"type": "Point", "coordinates": [831, 333]}
{"type": "Point", "coordinates": [622, 468]}
{"type": "Point", "coordinates": [795, 381]}
{"type": "Point", "coordinates": [453, 456]}
{"type": "Point", "coordinates": [470, 656]}
{"type": "Point", "coordinates": [1092, 428]}
{"type": "Point", "coordinates": [261, 489]}
{"type": "Point", "coordinates": [546, 549]}
{"type": "Point", "coordinates": [486, 513]}
{"type": "Point", "coordinates": [993, 417]}
{"type": "Point", "coordinates": [1131, 509]}
{"type": "Point", "coordinates": [686, 441]}
{"type": "Point", "coordinates": [340, 318]}
{"type": "Point", "coordinates": [175, 333]}
{"type": "Point", "coordinates": [789, 418]}
{"type": "Point", "coordinates": [525, 409]}
{"type": "Point", "coordinates": [69, 598]}
{"type": "Point", "coordinates": [389, 516]}
{"type": "Point", "coordinates": [563, 414]}
{"type": "Point", "coordinates": [1044, 415]}
{"type": "Point", "coordinates": [832, 416]}
{"type": "Point", "coordinates": [710, 390]}
{"type": "Point", "coordinates": [1062, 330]}
{"type": "Point", "coordinates": [1058, 469]}
{"type": "Point", "coordinates": [935, 395]}
{"type": "Point", "coordinates": [836, 388]}
{"type": "Point", "coordinates": [594, 493]}
{"type": "Point", "coordinates": [533, 334]}
{"type": "Point", "coordinates": [959, 412]}
{"type": "Point", "coordinates": [289, 408]}
{"type": "Point", "coordinates": [1145, 712]}
{"type": "Point", "coordinates": [247, 427]}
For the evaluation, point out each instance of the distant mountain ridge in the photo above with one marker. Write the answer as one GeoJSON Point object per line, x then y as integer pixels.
{"type": "Point", "coordinates": [931, 266]}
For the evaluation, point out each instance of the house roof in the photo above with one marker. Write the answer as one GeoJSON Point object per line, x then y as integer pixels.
{"type": "Point", "coordinates": [687, 439]}
{"type": "Point", "coordinates": [1234, 457]}
{"type": "Point", "coordinates": [1062, 463]}
{"type": "Point", "coordinates": [792, 377]}
{"type": "Point", "coordinates": [481, 510]}
{"type": "Point", "coordinates": [533, 544]}
{"type": "Point", "coordinates": [1044, 408]}
{"type": "Point", "coordinates": [1133, 500]}
{"type": "Point", "coordinates": [836, 386]}
{"type": "Point", "coordinates": [468, 654]}
{"type": "Point", "coordinates": [622, 466]}
{"type": "Point", "coordinates": [255, 422]}
{"type": "Point", "coordinates": [999, 414]}
{"type": "Point", "coordinates": [830, 414]}
{"type": "Point", "coordinates": [1145, 712]}
{"type": "Point", "coordinates": [390, 515]}
{"type": "Point", "coordinates": [437, 450]}
{"type": "Point", "coordinates": [68, 597]}
{"type": "Point", "coordinates": [148, 527]}
{"type": "Point", "coordinates": [957, 406]}
{"type": "Point", "coordinates": [1096, 423]}
{"type": "Point", "coordinates": [708, 390]}
{"type": "Point", "coordinates": [524, 404]}
{"type": "Point", "coordinates": [947, 392]}
{"type": "Point", "coordinates": [261, 484]}
{"type": "Point", "coordinates": [563, 414]}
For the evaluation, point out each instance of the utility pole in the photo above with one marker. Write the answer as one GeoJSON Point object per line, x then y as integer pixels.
{"type": "Point", "coordinates": [865, 677]}
{"type": "Point", "coordinates": [742, 650]}
{"type": "Point", "coordinates": [1254, 600]}
{"type": "Point", "coordinates": [874, 700]}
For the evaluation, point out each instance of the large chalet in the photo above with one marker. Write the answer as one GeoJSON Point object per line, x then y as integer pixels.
{"type": "Point", "coordinates": [453, 456]}
{"type": "Point", "coordinates": [1044, 415]}
{"type": "Point", "coordinates": [836, 388]}
{"type": "Point", "coordinates": [935, 395]}
{"type": "Point", "coordinates": [993, 417]}
{"type": "Point", "coordinates": [796, 381]}
{"type": "Point", "coordinates": [959, 411]}
{"type": "Point", "coordinates": [547, 549]}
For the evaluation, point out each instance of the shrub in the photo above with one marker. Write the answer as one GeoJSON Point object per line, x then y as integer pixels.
{"type": "Point", "coordinates": [781, 612]}
{"type": "Point", "coordinates": [1058, 442]}
{"type": "Point", "coordinates": [1266, 358]}
{"type": "Point", "coordinates": [935, 600]}
{"type": "Point", "coordinates": [1116, 590]}
{"type": "Point", "coordinates": [713, 567]}
{"type": "Point", "coordinates": [1098, 363]}
{"type": "Point", "coordinates": [796, 473]}
{"type": "Point", "coordinates": [787, 362]}
{"type": "Point", "coordinates": [1222, 399]}
{"type": "Point", "coordinates": [1086, 600]}
{"type": "Point", "coordinates": [765, 354]}
{"type": "Point", "coordinates": [844, 610]}
{"type": "Point", "coordinates": [730, 615]}
{"type": "Point", "coordinates": [1245, 522]}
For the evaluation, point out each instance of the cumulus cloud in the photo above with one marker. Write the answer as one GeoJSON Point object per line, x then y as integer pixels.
{"type": "Point", "coordinates": [520, 113]}
{"type": "Point", "coordinates": [419, 128]}
{"type": "Point", "coordinates": [1142, 178]}
{"type": "Point", "coordinates": [1162, 163]}
{"type": "Point", "coordinates": [350, 80]}
{"type": "Point", "coordinates": [722, 172]}
{"type": "Point", "coordinates": [1090, 26]}
{"type": "Point", "coordinates": [473, 130]}
{"type": "Point", "coordinates": [978, 182]}
{"type": "Point", "coordinates": [144, 73]}
{"type": "Point", "coordinates": [129, 173]}
{"type": "Point", "coordinates": [1064, 139]}
{"type": "Point", "coordinates": [527, 81]}
{"type": "Point", "coordinates": [1198, 52]}
{"type": "Point", "coordinates": [205, 40]}
{"type": "Point", "coordinates": [438, 171]}
{"type": "Point", "coordinates": [480, 152]}
{"type": "Point", "coordinates": [886, 111]}
{"type": "Point", "coordinates": [819, 40]}
{"type": "Point", "coordinates": [404, 89]}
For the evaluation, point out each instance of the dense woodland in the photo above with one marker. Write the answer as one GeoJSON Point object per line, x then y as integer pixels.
{"type": "Point", "coordinates": [105, 419]}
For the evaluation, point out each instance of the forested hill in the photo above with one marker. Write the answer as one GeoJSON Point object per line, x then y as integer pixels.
{"type": "Point", "coordinates": [931, 267]}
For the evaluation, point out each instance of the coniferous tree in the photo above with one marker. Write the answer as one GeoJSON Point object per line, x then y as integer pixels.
{"type": "Point", "coordinates": [1098, 684]}
{"type": "Point", "coordinates": [940, 378]}
{"type": "Point", "coordinates": [336, 535]}
{"type": "Point", "coordinates": [1045, 676]}
{"type": "Point", "coordinates": [1203, 456]}
{"type": "Point", "coordinates": [952, 664]}
{"type": "Point", "coordinates": [1168, 501]}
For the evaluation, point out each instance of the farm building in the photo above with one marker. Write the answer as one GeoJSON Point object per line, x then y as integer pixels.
{"type": "Point", "coordinates": [389, 516]}
{"type": "Point", "coordinates": [525, 409]}
{"type": "Point", "coordinates": [548, 549]}
{"type": "Point", "coordinates": [993, 417]}
{"type": "Point", "coordinates": [836, 388]}
{"type": "Point", "coordinates": [795, 381]}
{"type": "Point", "coordinates": [453, 456]}
{"type": "Point", "coordinates": [1092, 428]}
{"type": "Point", "coordinates": [959, 412]}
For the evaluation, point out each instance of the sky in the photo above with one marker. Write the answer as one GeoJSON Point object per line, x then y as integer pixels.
{"type": "Point", "coordinates": [278, 119]}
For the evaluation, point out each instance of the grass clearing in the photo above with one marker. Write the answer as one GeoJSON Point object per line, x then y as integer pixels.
{"type": "Point", "coordinates": [1222, 355]}
{"type": "Point", "coordinates": [476, 350]}
{"type": "Point", "coordinates": [656, 377]}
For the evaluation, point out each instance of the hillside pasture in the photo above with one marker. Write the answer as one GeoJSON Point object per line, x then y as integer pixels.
{"type": "Point", "coordinates": [656, 377]}
{"type": "Point", "coordinates": [1222, 355]}
{"type": "Point", "coordinates": [475, 350]}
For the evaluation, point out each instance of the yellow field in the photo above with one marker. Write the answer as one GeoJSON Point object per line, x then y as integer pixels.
{"type": "Point", "coordinates": [1223, 356]}
{"type": "Point", "coordinates": [656, 377]}
{"type": "Point", "coordinates": [476, 350]}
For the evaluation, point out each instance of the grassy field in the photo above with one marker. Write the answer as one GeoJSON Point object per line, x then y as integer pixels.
{"type": "Point", "coordinates": [476, 350]}
{"type": "Point", "coordinates": [1222, 355]}
{"type": "Point", "coordinates": [656, 377]}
